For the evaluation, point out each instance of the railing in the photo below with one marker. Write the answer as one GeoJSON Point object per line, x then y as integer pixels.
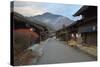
{"type": "Point", "coordinates": [87, 29]}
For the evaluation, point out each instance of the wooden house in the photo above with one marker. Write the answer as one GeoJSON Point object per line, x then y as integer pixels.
{"type": "Point", "coordinates": [85, 28]}
{"type": "Point", "coordinates": [24, 34]}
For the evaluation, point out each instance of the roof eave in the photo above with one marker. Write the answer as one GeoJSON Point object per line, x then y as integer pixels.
{"type": "Point", "coordinates": [79, 12]}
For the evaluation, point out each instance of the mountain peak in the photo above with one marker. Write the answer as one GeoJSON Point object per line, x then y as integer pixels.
{"type": "Point", "coordinates": [52, 20]}
{"type": "Point", "coordinates": [51, 14]}
{"type": "Point", "coordinates": [46, 13]}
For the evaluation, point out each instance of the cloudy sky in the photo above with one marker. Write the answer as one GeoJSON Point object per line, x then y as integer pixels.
{"type": "Point", "coordinates": [38, 8]}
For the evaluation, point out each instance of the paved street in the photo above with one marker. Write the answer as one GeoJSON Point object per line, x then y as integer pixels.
{"type": "Point", "coordinates": [56, 52]}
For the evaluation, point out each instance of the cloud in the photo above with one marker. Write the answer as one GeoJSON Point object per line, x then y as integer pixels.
{"type": "Point", "coordinates": [28, 11]}
{"type": "Point", "coordinates": [35, 8]}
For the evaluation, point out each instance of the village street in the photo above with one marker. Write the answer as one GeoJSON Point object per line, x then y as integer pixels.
{"type": "Point", "coordinates": [56, 52]}
{"type": "Point", "coordinates": [49, 37]}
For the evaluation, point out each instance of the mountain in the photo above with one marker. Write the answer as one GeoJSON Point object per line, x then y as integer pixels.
{"type": "Point", "coordinates": [52, 21]}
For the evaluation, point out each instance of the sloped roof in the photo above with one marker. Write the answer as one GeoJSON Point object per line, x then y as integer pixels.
{"type": "Point", "coordinates": [86, 10]}
{"type": "Point", "coordinates": [21, 18]}
{"type": "Point", "coordinates": [82, 9]}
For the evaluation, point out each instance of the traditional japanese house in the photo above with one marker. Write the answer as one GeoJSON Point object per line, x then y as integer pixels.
{"type": "Point", "coordinates": [62, 33]}
{"type": "Point", "coordinates": [86, 28]}
{"type": "Point", "coordinates": [25, 33]}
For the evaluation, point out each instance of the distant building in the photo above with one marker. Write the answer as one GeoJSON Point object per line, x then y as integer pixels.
{"type": "Point", "coordinates": [86, 28]}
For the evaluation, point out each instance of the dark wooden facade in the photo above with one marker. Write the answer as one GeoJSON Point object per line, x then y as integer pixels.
{"type": "Point", "coordinates": [62, 34]}
{"type": "Point", "coordinates": [20, 22]}
{"type": "Point", "coordinates": [87, 26]}
{"type": "Point", "coordinates": [25, 34]}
